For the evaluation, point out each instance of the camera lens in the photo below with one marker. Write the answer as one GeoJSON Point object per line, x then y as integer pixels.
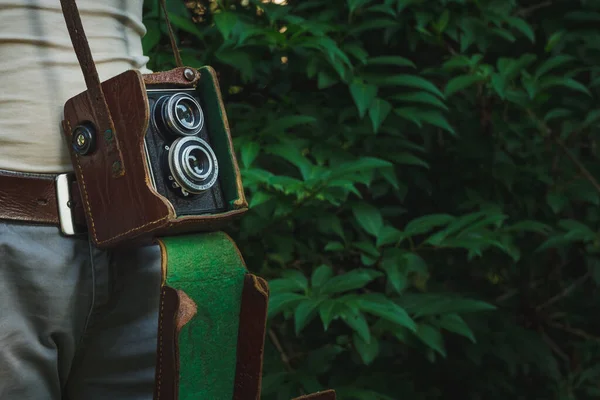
{"type": "Point", "coordinates": [193, 164]}
{"type": "Point", "coordinates": [181, 114]}
{"type": "Point", "coordinates": [185, 114]}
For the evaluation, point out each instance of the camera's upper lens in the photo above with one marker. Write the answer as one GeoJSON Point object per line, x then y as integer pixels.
{"type": "Point", "coordinates": [185, 114]}
{"type": "Point", "coordinates": [193, 164]}
{"type": "Point", "coordinates": [181, 114]}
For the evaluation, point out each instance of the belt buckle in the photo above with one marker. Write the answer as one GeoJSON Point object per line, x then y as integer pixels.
{"type": "Point", "coordinates": [64, 200]}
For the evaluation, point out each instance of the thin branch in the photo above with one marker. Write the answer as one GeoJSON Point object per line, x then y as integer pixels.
{"type": "Point", "coordinates": [280, 349]}
{"type": "Point", "coordinates": [555, 348]}
{"type": "Point", "coordinates": [574, 331]}
{"type": "Point", "coordinates": [526, 11]}
{"type": "Point", "coordinates": [567, 291]}
{"type": "Point", "coordinates": [584, 171]}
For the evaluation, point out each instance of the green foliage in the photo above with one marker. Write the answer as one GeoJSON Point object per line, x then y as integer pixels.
{"type": "Point", "coordinates": [423, 191]}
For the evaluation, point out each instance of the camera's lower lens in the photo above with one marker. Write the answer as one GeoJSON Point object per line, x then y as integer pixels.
{"type": "Point", "coordinates": [181, 114]}
{"type": "Point", "coordinates": [193, 164]}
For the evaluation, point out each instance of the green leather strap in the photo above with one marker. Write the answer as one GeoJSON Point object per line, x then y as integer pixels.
{"type": "Point", "coordinates": [208, 273]}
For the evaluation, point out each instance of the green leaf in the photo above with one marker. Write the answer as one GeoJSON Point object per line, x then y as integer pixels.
{"type": "Point", "coordinates": [379, 305]}
{"type": "Point", "coordinates": [409, 159]}
{"type": "Point", "coordinates": [355, 279]}
{"type": "Point", "coordinates": [361, 165]}
{"type": "Point", "coordinates": [373, 24]}
{"type": "Point", "coordinates": [292, 281]}
{"type": "Point", "coordinates": [258, 198]}
{"type": "Point", "coordinates": [413, 81]}
{"type": "Point", "coordinates": [576, 230]}
{"type": "Point", "coordinates": [391, 60]}
{"type": "Point", "coordinates": [363, 95]}
{"type": "Point", "coordinates": [328, 311]}
{"type": "Point", "coordinates": [279, 302]}
{"type": "Point", "coordinates": [455, 226]}
{"type": "Point", "coordinates": [414, 263]}
{"type": "Point", "coordinates": [368, 217]}
{"type": "Point", "coordinates": [424, 304]}
{"type": "Point", "coordinates": [522, 26]}
{"type": "Point", "coordinates": [592, 117]}
{"type": "Point", "coordinates": [320, 276]}
{"type": "Point", "coordinates": [249, 152]}
{"type": "Point", "coordinates": [357, 321]}
{"type": "Point", "coordinates": [396, 278]}
{"type": "Point", "coordinates": [570, 83]}
{"type": "Point", "coordinates": [454, 323]}
{"type": "Point", "coordinates": [225, 22]}
{"type": "Point", "coordinates": [530, 226]}
{"type": "Point", "coordinates": [420, 97]}
{"type": "Point", "coordinates": [389, 235]}
{"type": "Point", "coordinates": [436, 118]}
{"type": "Point", "coordinates": [432, 338]}
{"type": "Point", "coordinates": [426, 223]}
{"type": "Point", "coordinates": [378, 112]}
{"type": "Point", "coordinates": [354, 4]}
{"type": "Point", "coordinates": [334, 246]}
{"type": "Point", "coordinates": [282, 124]}
{"type": "Point", "coordinates": [290, 152]}
{"type": "Point", "coordinates": [552, 63]}
{"type": "Point", "coordinates": [325, 80]}
{"type": "Point", "coordinates": [152, 37]}
{"type": "Point", "coordinates": [367, 351]}
{"type": "Point", "coordinates": [554, 39]}
{"type": "Point", "coordinates": [557, 113]}
{"type": "Point", "coordinates": [305, 313]}
{"type": "Point", "coordinates": [460, 83]}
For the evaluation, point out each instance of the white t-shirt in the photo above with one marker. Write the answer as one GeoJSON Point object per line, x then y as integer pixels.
{"type": "Point", "coordinates": [39, 72]}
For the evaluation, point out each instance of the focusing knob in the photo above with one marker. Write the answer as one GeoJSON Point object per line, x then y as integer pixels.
{"type": "Point", "coordinates": [84, 139]}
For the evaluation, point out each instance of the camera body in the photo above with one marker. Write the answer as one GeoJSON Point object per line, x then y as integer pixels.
{"type": "Point", "coordinates": [161, 162]}
{"type": "Point", "coordinates": [183, 165]}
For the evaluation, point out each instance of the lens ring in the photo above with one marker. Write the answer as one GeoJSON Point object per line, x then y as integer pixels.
{"type": "Point", "coordinates": [204, 156]}
{"type": "Point", "coordinates": [172, 120]}
{"type": "Point", "coordinates": [181, 169]}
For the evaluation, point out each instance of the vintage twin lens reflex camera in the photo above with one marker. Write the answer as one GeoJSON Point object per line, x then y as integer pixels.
{"type": "Point", "coordinates": [183, 165]}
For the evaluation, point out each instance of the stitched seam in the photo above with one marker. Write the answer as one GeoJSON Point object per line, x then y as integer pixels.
{"type": "Point", "coordinates": [87, 203]}
{"type": "Point", "coordinates": [160, 346]}
{"type": "Point", "coordinates": [86, 198]}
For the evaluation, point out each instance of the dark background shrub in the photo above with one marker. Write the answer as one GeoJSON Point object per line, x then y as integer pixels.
{"type": "Point", "coordinates": [422, 182]}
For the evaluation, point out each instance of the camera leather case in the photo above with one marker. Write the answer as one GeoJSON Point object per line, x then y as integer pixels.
{"type": "Point", "coordinates": [153, 156]}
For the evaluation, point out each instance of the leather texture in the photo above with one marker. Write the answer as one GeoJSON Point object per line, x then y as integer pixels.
{"type": "Point", "coordinates": [94, 94]}
{"type": "Point", "coordinates": [167, 358]}
{"type": "Point", "coordinates": [32, 199]}
{"type": "Point", "coordinates": [142, 213]}
{"type": "Point", "coordinates": [173, 78]}
{"type": "Point", "coordinates": [139, 209]}
{"type": "Point", "coordinates": [251, 338]}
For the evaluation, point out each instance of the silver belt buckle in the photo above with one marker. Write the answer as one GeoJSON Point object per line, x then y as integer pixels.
{"type": "Point", "coordinates": [63, 198]}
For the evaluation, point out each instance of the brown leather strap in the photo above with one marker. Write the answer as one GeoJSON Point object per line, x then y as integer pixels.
{"type": "Point", "coordinates": [32, 199]}
{"type": "Point", "coordinates": [92, 81]}
{"type": "Point", "coordinates": [166, 379]}
{"type": "Point", "coordinates": [178, 60]}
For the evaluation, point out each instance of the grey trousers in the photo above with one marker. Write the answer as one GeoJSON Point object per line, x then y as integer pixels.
{"type": "Point", "coordinates": [75, 323]}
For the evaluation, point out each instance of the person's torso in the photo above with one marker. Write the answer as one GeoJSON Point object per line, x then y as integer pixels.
{"type": "Point", "coordinates": [39, 72]}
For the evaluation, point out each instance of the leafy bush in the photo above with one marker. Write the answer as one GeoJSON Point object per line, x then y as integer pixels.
{"type": "Point", "coordinates": [422, 182]}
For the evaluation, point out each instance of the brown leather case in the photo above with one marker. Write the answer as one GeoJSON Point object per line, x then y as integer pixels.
{"type": "Point", "coordinates": [120, 203]}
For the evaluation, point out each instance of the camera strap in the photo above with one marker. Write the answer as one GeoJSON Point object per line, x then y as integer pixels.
{"type": "Point", "coordinates": [92, 80]}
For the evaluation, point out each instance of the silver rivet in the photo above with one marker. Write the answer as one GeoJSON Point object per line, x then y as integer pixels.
{"type": "Point", "coordinates": [189, 74]}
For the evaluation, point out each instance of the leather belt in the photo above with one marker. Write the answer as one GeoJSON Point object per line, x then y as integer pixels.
{"type": "Point", "coordinates": [42, 199]}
